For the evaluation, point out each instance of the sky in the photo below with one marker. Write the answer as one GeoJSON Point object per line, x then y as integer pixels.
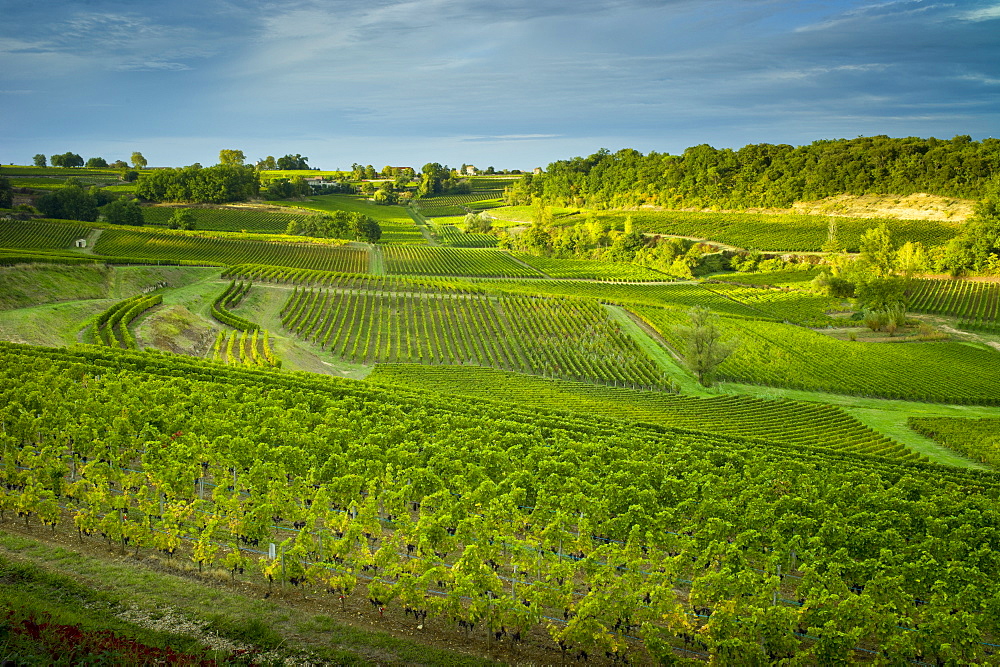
{"type": "Point", "coordinates": [512, 84]}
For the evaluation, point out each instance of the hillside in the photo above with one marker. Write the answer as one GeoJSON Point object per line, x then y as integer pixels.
{"type": "Point", "coordinates": [415, 452]}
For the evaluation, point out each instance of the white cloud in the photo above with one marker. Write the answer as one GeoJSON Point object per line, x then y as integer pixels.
{"type": "Point", "coordinates": [982, 14]}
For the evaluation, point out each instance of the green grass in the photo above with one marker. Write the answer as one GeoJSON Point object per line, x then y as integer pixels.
{"type": "Point", "coordinates": [93, 592]}
{"type": "Point", "coordinates": [26, 286]}
{"type": "Point", "coordinates": [50, 324]}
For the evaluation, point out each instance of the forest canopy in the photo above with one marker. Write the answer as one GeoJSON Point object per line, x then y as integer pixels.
{"type": "Point", "coordinates": [766, 175]}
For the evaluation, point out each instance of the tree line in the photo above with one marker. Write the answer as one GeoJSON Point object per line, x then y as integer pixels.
{"type": "Point", "coordinates": [759, 175]}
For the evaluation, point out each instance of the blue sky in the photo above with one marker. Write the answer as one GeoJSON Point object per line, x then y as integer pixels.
{"type": "Point", "coordinates": [508, 83]}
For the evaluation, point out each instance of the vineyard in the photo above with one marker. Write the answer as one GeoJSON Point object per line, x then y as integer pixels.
{"type": "Point", "coordinates": [40, 235]}
{"type": "Point", "coordinates": [592, 269]}
{"type": "Point", "coordinates": [978, 439]}
{"type": "Point", "coordinates": [251, 347]}
{"type": "Point", "coordinates": [150, 246]}
{"type": "Point", "coordinates": [782, 355]}
{"type": "Point", "coordinates": [451, 205]}
{"type": "Point", "coordinates": [450, 235]}
{"type": "Point", "coordinates": [976, 304]}
{"type": "Point", "coordinates": [410, 260]}
{"type": "Point", "coordinates": [777, 232]}
{"type": "Point", "coordinates": [570, 536]}
{"type": "Point", "coordinates": [789, 422]}
{"type": "Point", "coordinates": [111, 327]}
{"type": "Point", "coordinates": [552, 337]}
{"type": "Point", "coordinates": [231, 219]}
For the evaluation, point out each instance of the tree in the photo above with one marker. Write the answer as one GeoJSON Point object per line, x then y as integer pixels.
{"type": "Point", "coordinates": [231, 156]}
{"type": "Point", "coordinates": [6, 193]}
{"type": "Point", "coordinates": [67, 160]}
{"type": "Point", "coordinates": [702, 344]}
{"type": "Point", "coordinates": [832, 243]}
{"type": "Point", "coordinates": [70, 202]}
{"type": "Point", "coordinates": [878, 256]}
{"type": "Point", "coordinates": [123, 212]}
{"type": "Point", "coordinates": [267, 164]}
{"type": "Point", "coordinates": [119, 164]}
{"type": "Point", "coordinates": [39, 160]}
{"type": "Point", "coordinates": [293, 162]}
{"type": "Point", "coordinates": [182, 218]}
{"type": "Point", "coordinates": [138, 161]}
{"type": "Point", "coordinates": [97, 163]}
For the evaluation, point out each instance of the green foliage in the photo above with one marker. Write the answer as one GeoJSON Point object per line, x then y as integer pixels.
{"type": "Point", "coordinates": [111, 326]}
{"type": "Point", "coordinates": [337, 225]}
{"type": "Point", "coordinates": [182, 218]}
{"type": "Point", "coordinates": [766, 175]}
{"type": "Point", "coordinates": [783, 355]}
{"type": "Point", "coordinates": [39, 160]}
{"type": "Point", "coordinates": [66, 160]}
{"type": "Point", "coordinates": [790, 422]}
{"type": "Point", "coordinates": [976, 303]}
{"type": "Point", "coordinates": [882, 294]}
{"type": "Point", "coordinates": [70, 202]}
{"type": "Point", "coordinates": [978, 439]}
{"type": "Point", "coordinates": [552, 337]}
{"type": "Point", "coordinates": [95, 163]}
{"type": "Point", "coordinates": [214, 185]}
{"type": "Point", "coordinates": [231, 156]}
{"type": "Point", "coordinates": [293, 162]}
{"type": "Point", "coordinates": [452, 236]}
{"type": "Point", "coordinates": [138, 161]}
{"type": "Point", "coordinates": [702, 345]}
{"type": "Point", "coordinates": [219, 219]}
{"type": "Point", "coordinates": [415, 260]}
{"type": "Point", "coordinates": [283, 188]}
{"type": "Point", "coordinates": [6, 193]}
{"type": "Point", "coordinates": [977, 248]}
{"type": "Point", "coordinates": [123, 211]}
{"type": "Point", "coordinates": [115, 243]}
{"type": "Point", "coordinates": [591, 269]}
{"type": "Point", "coordinates": [731, 543]}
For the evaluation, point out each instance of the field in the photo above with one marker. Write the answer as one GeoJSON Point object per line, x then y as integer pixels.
{"type": "Point", "coordinates": [778, 232]}
{"type": "Point", "coordinates": [230, 219]}
{"type": "Point", "coordinates": [411, 261]}
{"type": "Point", "coordinates": [775, 232]}
{"type": "Point", "coordinates": [783, 355]}
{"type": "Point", "coordinates": [220, 251]}
{"type": "Point", "coordinates": [450, 235]}
{"type": "Point", "coordinates": [976, 304]}
{"type": "Point", "coordinates": [518, 525]}
{"type": "Point", "coordinates": [40, 235]}
{"type": "Point", "coordinates": [978, 439]}
{"type": "Point", "coordinates": [550, 337]}
{"type": "Point", "coordinates": [592, 269]}
{"type": "Point", "coordinates": [775, 421]}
